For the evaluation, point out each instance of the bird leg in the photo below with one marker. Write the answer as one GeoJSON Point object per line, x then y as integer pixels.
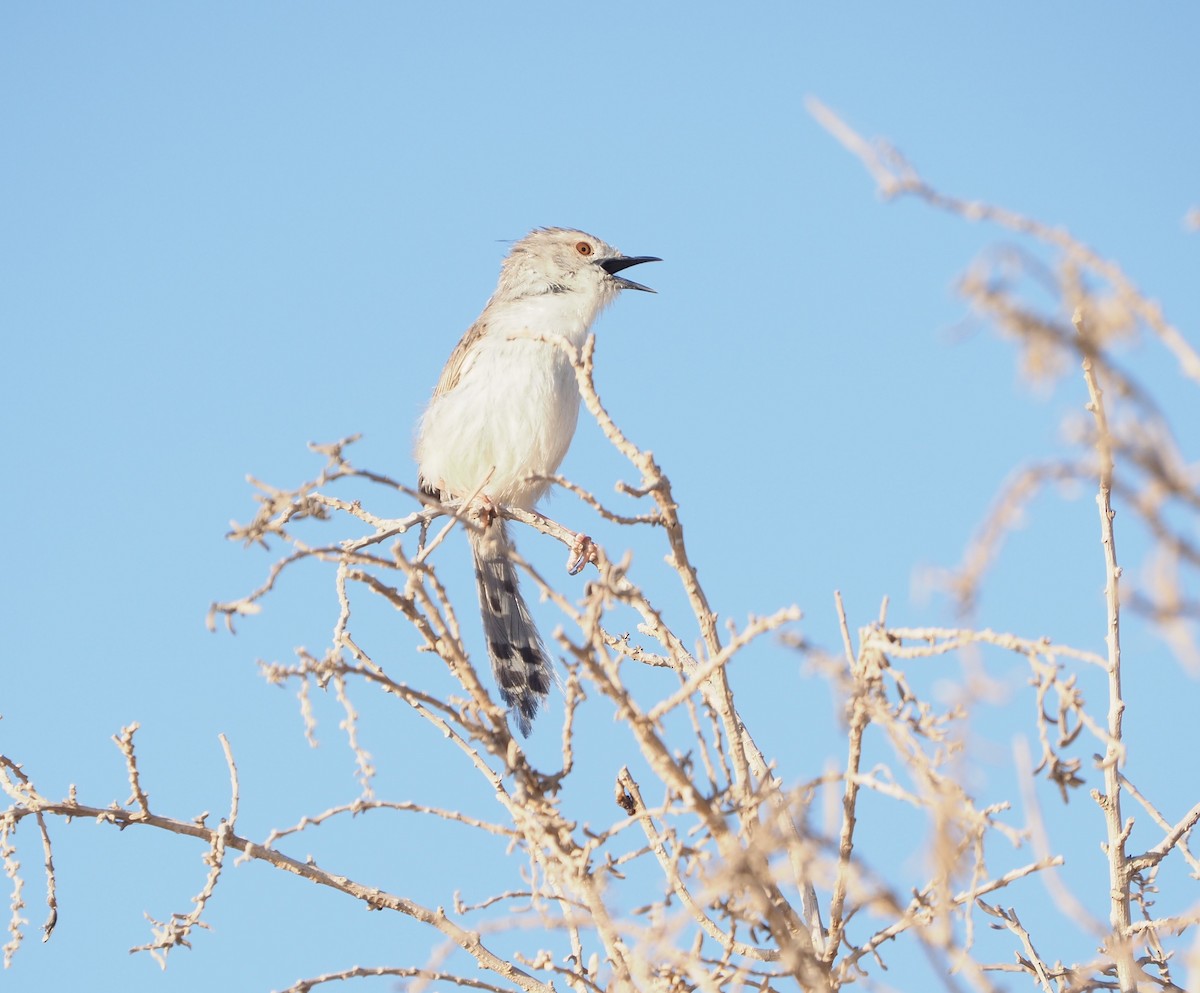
{"type": "Point", "coordinates": [583, 551]}
{"type": "Point", "coordinates": [487, 510]}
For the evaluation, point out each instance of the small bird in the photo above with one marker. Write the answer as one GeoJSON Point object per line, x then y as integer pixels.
{"type": "Point", "coordinates": [503, 414]}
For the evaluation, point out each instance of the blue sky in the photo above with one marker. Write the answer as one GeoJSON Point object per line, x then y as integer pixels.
{"type": "Point", "coordinates": [233, 229]}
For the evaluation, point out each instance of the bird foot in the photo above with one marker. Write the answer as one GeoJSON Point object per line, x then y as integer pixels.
{"type": "Point", "coordinates": [582, 552]}
{"type": "Point", "coordinates": [487, 510]}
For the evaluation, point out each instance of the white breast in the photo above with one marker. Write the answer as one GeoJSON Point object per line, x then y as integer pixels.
{"type": "Point", "coordinates": [512, 413]}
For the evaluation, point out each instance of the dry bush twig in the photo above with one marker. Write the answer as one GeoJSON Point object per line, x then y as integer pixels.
{"type": "Point", "coordinates": [1134, 453]}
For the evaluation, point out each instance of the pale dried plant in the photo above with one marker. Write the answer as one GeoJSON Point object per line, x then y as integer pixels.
{"type": "Point", "coordinates": [714, 868]}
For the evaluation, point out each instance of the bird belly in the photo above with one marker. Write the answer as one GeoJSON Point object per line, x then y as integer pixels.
{"type": "Point", "coordinates": [511, 416]}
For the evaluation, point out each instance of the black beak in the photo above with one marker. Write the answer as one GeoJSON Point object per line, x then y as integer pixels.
{"type": "Point", "coordinates": [613, 266]}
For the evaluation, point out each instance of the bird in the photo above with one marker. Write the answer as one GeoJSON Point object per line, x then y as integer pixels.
{"type": "Point", "coordinates": [502, 417]}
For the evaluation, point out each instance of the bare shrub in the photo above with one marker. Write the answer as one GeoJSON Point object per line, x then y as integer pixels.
{"type": "Point", "coordinates": [713, 870]}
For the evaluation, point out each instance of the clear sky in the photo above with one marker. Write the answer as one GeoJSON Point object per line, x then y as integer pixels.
{"type": "Point", "coordinates": [230, 229]}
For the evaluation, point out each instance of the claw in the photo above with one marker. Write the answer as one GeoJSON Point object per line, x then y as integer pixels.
{"type": "Point", "coordinates": [582, 552]}
{"type": "Point", "coordinates": [487, 510]}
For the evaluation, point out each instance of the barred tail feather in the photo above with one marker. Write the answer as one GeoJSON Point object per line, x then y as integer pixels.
{"type": "Point", "coordinates": [519, 660]}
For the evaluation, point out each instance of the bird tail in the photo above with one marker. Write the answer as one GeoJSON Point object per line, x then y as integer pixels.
{"type": "Point", "coordinates": [519, 660]}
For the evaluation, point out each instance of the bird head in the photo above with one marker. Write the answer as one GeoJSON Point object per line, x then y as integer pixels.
{"type": "Point", "coordinates": [563, 260]}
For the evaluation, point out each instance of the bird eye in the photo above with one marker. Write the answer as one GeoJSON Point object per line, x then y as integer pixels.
{"type": "Point", "coordinates": [583, 248]}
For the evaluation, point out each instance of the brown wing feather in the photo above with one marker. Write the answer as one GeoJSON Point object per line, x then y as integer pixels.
{"type": "Point", "coordinates": [451, 373]}
{"type": "Point", "coordinates": [454, 364]}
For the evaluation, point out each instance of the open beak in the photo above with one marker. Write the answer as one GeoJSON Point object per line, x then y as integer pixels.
{"type": "Point", "coordinates": [613, 266]}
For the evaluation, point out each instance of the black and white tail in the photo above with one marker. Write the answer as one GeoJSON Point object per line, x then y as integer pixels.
{"type": "Point", "coordinates": [519, 660]}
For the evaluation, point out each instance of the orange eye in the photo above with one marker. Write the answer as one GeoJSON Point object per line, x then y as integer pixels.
{"type": "Point", "coordinates": [583, 248]}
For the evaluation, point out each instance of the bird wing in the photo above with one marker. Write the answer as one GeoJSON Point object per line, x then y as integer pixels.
{"type": "Point", "coordinates": [459, 359]}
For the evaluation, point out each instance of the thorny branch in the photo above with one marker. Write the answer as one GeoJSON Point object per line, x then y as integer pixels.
{"type": "Point", "coordinates": [222, 838]}
{"type": "Point", "coordinates": [1129, 450]}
